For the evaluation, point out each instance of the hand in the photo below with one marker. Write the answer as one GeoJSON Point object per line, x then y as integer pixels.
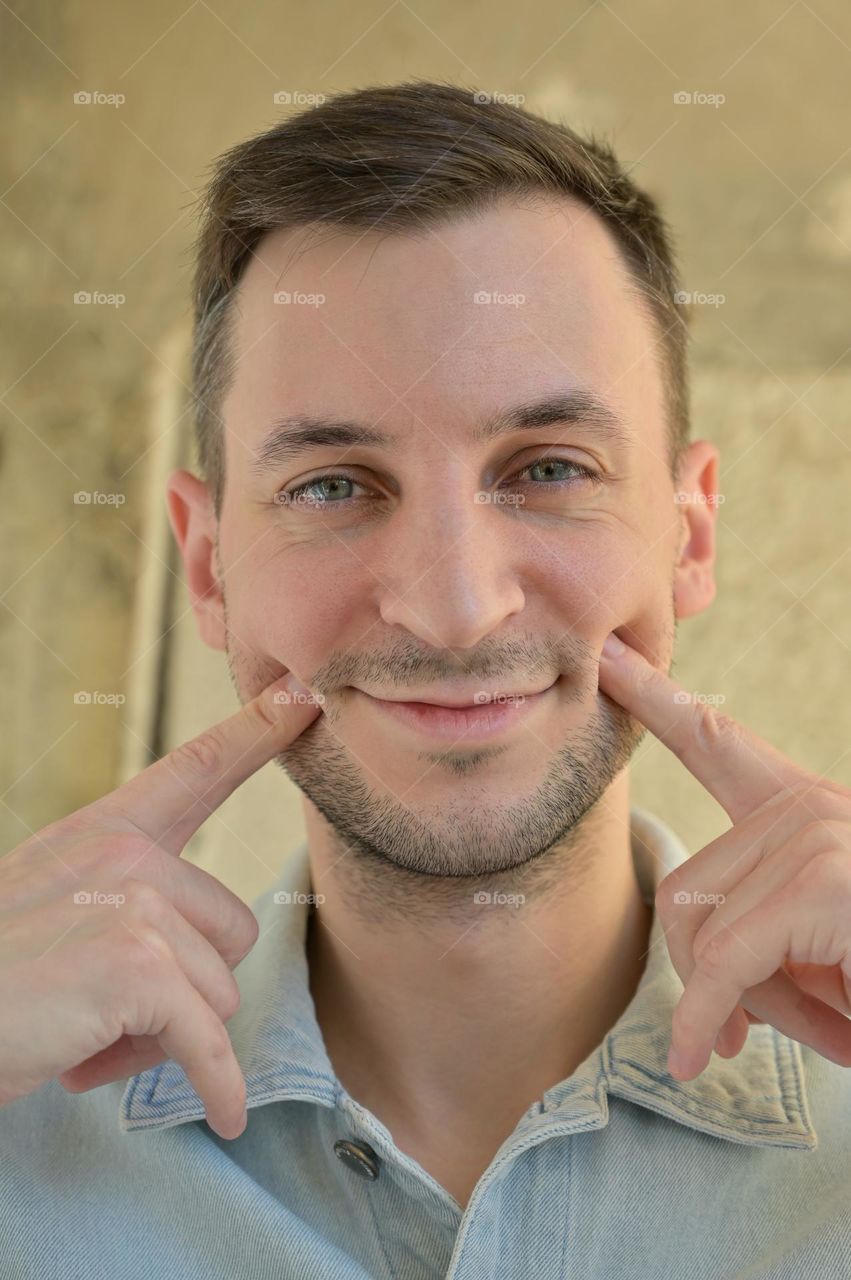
{"type": "Point", "coordinates": [758, 924]}
{"type": "Point", "coordinates": [115, 953]}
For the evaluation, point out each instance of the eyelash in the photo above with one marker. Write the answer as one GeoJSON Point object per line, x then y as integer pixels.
{"type": "Point", "coordinates": [284, 497]}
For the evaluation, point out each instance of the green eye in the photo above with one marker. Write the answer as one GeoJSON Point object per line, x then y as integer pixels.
{"type": "Point", "coordinates": [318, 492]}
{"type": "Point", "coordinates": [338, 490]}
{"type": "Point", "coordinates": [548, 465]}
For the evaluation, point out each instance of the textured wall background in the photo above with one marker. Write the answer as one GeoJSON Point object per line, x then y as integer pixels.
{"type": "Point", "coordinates": [99, 198]}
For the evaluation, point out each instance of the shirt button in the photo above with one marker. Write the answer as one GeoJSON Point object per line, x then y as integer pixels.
{"type": "Point", "coordinates": [358, 1156]}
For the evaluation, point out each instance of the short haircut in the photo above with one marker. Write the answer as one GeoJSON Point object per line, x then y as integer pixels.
{"type": "Point", "coordinates": [404, 158]}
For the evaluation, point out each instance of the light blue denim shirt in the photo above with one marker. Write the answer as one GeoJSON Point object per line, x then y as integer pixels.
{"type": "Point", "coordinates": [617, 1172]}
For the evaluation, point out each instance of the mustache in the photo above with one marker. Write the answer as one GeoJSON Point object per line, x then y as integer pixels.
{"type": "Point", "coordinates": [496, 660]}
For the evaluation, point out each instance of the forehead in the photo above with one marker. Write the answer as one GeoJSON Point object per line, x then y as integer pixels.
{"type": "Point", "coordinates": [447, 323]}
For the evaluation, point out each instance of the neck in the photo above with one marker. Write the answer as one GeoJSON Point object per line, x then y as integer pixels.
{"type": "Point", "coordinates": [414, 1004]}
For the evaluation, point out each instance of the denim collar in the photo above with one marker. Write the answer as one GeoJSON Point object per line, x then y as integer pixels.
{"type": "Point", "coordinates": [757, 1098]}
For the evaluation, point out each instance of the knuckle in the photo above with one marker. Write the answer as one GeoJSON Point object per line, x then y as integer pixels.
{"type": "Point", "coordinates": [643, 679]}
{"type": "Point", "coordinates": [713, 958]}
{"type": "Point", "coordinates": [711, 728]}
{"type": "Point", "coordinates": [144, 952]}
{"type": "Point", "coordinates": [830, 872]}
{"type": "Point", "coordinates": [265, 710]}
{"type": "Point", "coordinates": [144, 901]}
{"type": "Point", "coordinates": [202, 756]}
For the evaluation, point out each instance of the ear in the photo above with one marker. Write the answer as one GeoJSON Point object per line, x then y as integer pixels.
{"type": "Point", "coordinates": [190, 509]}
{"type": "Point", "coordinates": [696, 496]}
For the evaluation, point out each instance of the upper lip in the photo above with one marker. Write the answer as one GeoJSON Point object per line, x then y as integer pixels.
{"type": "Point", "coordinates": [474, 697]}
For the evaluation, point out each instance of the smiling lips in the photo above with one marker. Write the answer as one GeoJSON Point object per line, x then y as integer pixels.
{"type": "Point", "coordinates": [463, 698]}
{"type": "Point", "coordinates": [459, 717]}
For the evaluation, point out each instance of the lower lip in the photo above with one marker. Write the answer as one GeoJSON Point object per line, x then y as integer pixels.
{"type": "Point", "coordinates": [454, 723]}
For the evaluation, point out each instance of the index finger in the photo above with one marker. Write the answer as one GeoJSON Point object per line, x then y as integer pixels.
{"type": "Point", "coordinates": [170, 799]}
{"type": "Point", "coordinates": [738, 767]}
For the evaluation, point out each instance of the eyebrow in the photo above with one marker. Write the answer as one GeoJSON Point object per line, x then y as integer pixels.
{"type": "Point", "coordinates": [290, 437]}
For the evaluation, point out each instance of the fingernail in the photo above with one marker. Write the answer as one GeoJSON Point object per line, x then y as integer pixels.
{"type": "Point", "coordinates": [294, 685]}
{"type": "Point", "coordinates": [612, 646]}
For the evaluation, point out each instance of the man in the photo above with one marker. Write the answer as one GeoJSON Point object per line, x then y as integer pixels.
{"type": "Point", "coordinates": [443, 436]}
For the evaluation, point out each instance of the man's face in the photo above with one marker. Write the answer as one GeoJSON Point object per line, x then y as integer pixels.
{"type": "Point", "coordinates": [396, 579]}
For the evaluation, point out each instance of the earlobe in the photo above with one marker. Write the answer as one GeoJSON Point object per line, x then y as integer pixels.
{"type": "Point", "coordinates": [697, 500]}
{"type": "Point", "coordinates": [193, 522]}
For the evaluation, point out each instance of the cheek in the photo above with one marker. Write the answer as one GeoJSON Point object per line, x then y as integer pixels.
{"type": "Point", "coordinates": [296, 615]}
{"type": "Point", "coordinates": [610, 580]}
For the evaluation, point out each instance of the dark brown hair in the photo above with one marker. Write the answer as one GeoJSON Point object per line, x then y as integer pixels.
{"type": "Point", "coordinates": [403, 158]}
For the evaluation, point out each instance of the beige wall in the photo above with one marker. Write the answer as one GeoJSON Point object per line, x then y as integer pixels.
{"type": "Point", "coordinates": [100, 198]}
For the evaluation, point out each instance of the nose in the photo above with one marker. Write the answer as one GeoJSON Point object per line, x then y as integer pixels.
{"type": "Point", "coordinates": [452, 577]}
